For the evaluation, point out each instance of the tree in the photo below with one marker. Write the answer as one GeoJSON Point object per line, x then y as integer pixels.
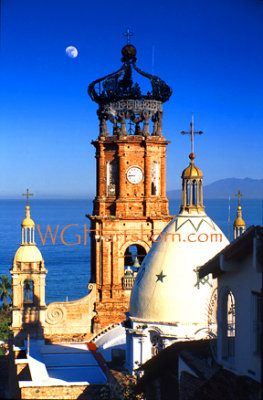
{"type": "Point", "coordinates": [5, 320]}
{"type": "Point", "coordinates": [5, 289]}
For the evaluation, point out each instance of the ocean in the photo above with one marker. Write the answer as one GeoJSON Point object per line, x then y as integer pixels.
{"type": "Point", "coordinates": [69, 266]}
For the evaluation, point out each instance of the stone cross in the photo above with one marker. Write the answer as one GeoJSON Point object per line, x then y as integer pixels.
{"type": "Point", "coordinates": [27, 194]}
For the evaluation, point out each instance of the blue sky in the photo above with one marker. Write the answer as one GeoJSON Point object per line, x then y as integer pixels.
{"type": "Point", "coordinates": [209, 52]}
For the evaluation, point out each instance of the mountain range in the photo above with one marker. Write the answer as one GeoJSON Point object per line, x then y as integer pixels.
{"type": "Point", "coordinates": [223, 188]}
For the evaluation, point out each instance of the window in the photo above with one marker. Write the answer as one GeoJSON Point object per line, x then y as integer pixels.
{"type": "Point", "coordinates": [229, 326]}
{"type": "Point", "coordinates": [154, 179]}
{"type": "Point", "coordinates": [194, 192]}
{"type": "Point", "coordinates": [256, 321]}
{"type": "Point", "coordinates": [28, 291]}
{"type": "Point", "coordinates": [112, 177]}
{"type": "Point", "coordinates": [156, 341]}
{"type": "Point", "coordinates": [133, 258]}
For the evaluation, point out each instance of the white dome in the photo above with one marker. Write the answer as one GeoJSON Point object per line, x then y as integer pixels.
{"type": "Point", "coordinates": [28, 253]}
{"type": "Point", "coordinates": [166, 287]}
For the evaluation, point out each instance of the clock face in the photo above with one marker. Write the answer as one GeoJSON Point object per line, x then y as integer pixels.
{"type": "Point", "coordinates": [134, 175]}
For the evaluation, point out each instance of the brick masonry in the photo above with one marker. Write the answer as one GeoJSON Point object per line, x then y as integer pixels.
{"type": "Point", "coordinates": [124, 214]}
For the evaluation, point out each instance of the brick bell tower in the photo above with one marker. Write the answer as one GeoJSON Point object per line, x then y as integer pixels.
{"type": "Point", "coordinates": [130, 207]}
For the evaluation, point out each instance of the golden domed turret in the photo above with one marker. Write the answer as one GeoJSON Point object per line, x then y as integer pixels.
{"type": "Point", "coordinates": [28, 221]}
{"type": "Point", "coordinates": [239, 224]}
{"type": "Point", "coordinates": [192, 191]}
{"type": "Point", "coordinates": [192, 171]}
{"type": "Point", "coordinates": [192, 176]}
{"type": "Point", "coordinates": [28, 252]}
{"type": "Point", "coordinates": [28, 284]}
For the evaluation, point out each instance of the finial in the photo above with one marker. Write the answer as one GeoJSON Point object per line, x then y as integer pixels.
{"type": "Point", "coordinates": [239, 224]}
{"type": "Point", "coordinates": [192, 133]}
{"type": "Point", "coordinates": [128, 34]}
{"type": "Point", "coordinates": [27, 194]}
{"type": "Point", "coordinates": [239, 195]}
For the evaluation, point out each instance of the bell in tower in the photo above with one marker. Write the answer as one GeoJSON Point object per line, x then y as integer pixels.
{"type": "Point", "coordinates": [130, 207]}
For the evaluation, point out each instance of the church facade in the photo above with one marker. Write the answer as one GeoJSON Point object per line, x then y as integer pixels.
{"type": "Point", "coordinates": [130, 207]}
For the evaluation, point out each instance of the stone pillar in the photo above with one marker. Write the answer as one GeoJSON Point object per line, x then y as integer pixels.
{"type": "Point", "coordinates": [184, 193]}
{"type": "Point", "coordinates": [122, 119]}
{"type": "Point", "coordinates": [159, 127]}
{"type": "Point", "coordinates": [146, 116]}
{"type": "Point", "coordinates": [103, 125]}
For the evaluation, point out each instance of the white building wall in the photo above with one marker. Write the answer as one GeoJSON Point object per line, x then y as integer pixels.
{"type": "Point", "coordinates": [138, 340]}
{"type": "Point", "coordinates": [242, 281]}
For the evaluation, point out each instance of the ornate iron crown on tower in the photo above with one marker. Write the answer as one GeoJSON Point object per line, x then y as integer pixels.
{"type": "Point", "coordinates": [120, 98]}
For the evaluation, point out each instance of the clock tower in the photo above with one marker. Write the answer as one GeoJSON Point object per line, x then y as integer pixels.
{"type": "Point", "coordinates": [130, 207]}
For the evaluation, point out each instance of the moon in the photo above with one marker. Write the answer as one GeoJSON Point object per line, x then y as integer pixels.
{"type": "Point", "coordinates": [71, 51]}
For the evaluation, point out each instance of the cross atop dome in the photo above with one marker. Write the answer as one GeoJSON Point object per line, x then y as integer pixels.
{"type": "Point", "coordinates": [27, 194]}
{"type": "Point", "coordinates": [192, 177]}
{"type": "Point", "coordinates": [239, 195]}
{"type": "Point", "coordinates": [239, 225]}
{"type": "Point", "coordinates": [128, 34]}
{"type": "Point", "coordinates": [192, 133]}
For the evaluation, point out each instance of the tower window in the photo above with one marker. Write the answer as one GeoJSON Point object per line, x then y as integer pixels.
{"type": "Point", "coordinates": [187, 193]}
{"type": "Point", "coordinates": [112, 177]}
{"type": "Point", "coordinates": [133, 258]}
{"type": "Point", "coordinates": [154, 178]}
{"type": "Point", "coordinates": [194, 192]}
{"type": "Point", "coordinates": [28, 291]}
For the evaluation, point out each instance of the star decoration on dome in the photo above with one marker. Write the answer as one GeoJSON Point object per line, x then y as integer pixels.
{"type": "Point", "coordinates": [160, 277]}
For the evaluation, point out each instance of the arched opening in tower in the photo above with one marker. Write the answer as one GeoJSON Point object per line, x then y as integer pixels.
{"type": "Point", "coordinates": [134, 254]}
{"type": "Point", "coordinates": [133, 257]}
{"type": "Point", "coordinates": [194, 193]}
{"type": "Point", "coordinates": [28, 289]}
{"type": "Point", "coordinates": [154, 178]}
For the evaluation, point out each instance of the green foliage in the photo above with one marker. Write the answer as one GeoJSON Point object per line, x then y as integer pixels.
{"type": "Point", "coordinates": [5, 289]}
{"type": "Point", "coordinates": [5, 320]}
{"type": "Point", "coordinates": [120, 391]}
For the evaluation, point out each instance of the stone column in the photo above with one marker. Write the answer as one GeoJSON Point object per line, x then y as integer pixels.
{"type": "Point", "coordinates": [146, 116]}
{"type": "Point", "coordinates": [122, 119]}
{"type": "Point", "coordinates": [184, 193]}
{"type": "Point", "coordinates": [103, 125]}
{"type": "Point", "coordinates": [201, 192]}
